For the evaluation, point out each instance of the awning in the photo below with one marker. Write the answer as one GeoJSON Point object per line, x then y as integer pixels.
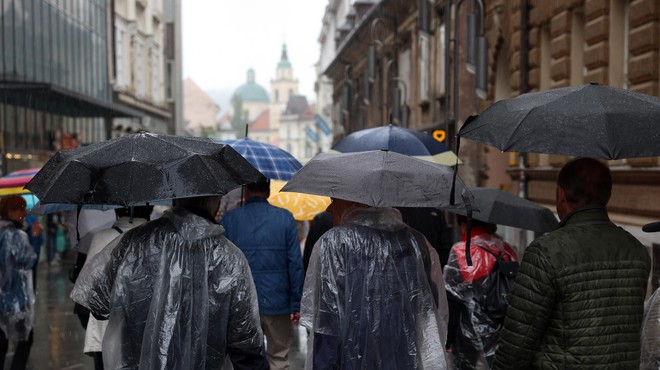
{"type": "Point", "coordinates": [53, 99]}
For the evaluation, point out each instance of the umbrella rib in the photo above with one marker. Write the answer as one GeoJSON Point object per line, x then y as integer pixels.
{"type": "Point", "coordinates": [508, 143]}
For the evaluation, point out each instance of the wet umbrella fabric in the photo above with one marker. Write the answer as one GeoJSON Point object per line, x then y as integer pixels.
{"type": "Point", "coordinates": [140, 168]}
{"type": "Point", "coordinates": [500, 207]}
{"type": "Point", "coordinates": [590, 120]}
{"type": "Point", "coordinates": [397, 139]}
{"type": "Point", "coordinates": [380, 179]}
{"type": "Point", "coordinates": [271, 161]}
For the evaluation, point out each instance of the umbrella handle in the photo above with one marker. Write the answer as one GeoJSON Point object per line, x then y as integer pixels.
{"type": "Point", "coordinates": [452, 193]}
{"type": "Point", "coordinates": [468, 258]}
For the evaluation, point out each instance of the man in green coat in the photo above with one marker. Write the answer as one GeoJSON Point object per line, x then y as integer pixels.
{"type": "Point", "coordinates": [579, 296]}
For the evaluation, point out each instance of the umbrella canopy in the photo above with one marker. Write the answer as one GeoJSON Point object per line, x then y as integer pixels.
{"type": "Point", "coordinates": [303, 206]}
{"type": "Point", "coordinates": [397, 139]}
{"type": "Point", "coordinates": [141, 168]}
{"type": "Point", "coordinates": [500, 207]}
{"type": "Point", "coordinates": [271, 161]}
{"type": "Point", "coordinates": [14, 182]}
{"type": "Point", "coordinates": [380, 179]}
{"type": "Point", "coordinates": [590, 120]}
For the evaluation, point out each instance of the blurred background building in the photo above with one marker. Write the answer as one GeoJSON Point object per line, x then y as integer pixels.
{"type": "Point", "coordinates": [73, 73]}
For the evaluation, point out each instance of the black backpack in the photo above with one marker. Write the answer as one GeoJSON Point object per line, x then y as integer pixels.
{"type": "Point", "coordinates": [495, 298]}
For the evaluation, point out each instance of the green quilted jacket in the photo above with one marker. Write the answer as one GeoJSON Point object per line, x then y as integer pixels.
{"type": "Point", "coordinates": [578, 300]}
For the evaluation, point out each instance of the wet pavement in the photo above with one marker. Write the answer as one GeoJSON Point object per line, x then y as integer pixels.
{"type": "Point", "coordinates": [59, 336]}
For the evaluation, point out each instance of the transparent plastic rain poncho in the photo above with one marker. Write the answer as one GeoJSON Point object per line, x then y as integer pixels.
{"type": "Point", "coordinates": [178, 295]}
{"type": "Point", "coordinates": [16, 289]}
{"type": "Point", "coordinates": [476, 332]}
{"type": "Point", "coordinates": [368, 299]}
{"type": "Point", "coordinates": [651, 334]}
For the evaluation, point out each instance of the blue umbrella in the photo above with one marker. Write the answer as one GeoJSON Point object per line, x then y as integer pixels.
{"type": "Point", "coordinates": [397, 139]}
{"type": "Point", "coordinates": [271, 161]}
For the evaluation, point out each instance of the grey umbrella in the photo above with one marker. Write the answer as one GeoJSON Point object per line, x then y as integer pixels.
{"type": "Point", "coordinates": [590, 120]}
{"type": "Point", "coordinates": [500, 207]}
{"type": "Point", "coordinates": [380, 179]}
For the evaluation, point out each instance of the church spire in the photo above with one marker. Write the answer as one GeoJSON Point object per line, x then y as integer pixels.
{"type": "Point", "coordinates": [284, 59]}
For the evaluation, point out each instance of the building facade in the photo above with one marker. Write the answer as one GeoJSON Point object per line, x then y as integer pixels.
{"type": "Point", "coordinates": [201, 111]}
{"type": "Point", "coordinates": [54, 86]}
{"type": "Point", "coordinates": [75, 73]}
{"type": "Point", "coordinates": [141, 38]}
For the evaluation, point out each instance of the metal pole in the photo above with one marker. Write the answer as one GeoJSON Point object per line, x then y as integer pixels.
{"type": "Point", "coordinates": [447, 20]}
{"type": "Point", "coordinates": [457, 12]}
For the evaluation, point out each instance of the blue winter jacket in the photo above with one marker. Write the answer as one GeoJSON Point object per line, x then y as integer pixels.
{"type": "Point", "coordinates": [268, 237]}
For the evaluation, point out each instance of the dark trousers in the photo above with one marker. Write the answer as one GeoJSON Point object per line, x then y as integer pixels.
{"type": "Point", "coordinates": [98, 360]}
{"type": "Point", "coordinates": [21, 354]}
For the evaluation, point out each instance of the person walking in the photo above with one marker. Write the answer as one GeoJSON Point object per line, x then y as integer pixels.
{"type": "Point", "coordinates": [475, 319]}
{"type": "Point", "coordinates": [578, 299]}
{"type": "Point", "coordinates": [268, 237]}
{"type": "Point", "coordinates": [127, 219]}
{"type": "Point", "coordinates": [374, 295]}
{"type": "Point", "coordinates": [17, 258]}
{"type": "Point", "coordinates": [176, 293]}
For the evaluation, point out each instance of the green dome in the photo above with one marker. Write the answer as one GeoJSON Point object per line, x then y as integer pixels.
{"type": "Point", "coordinates": [251, 91]}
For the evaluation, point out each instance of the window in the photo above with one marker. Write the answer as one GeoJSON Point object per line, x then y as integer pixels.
{"type": "Point", "coordinates": [618, 40]}
{"type": "Point", "coordinates": [139, 69]}
{"type": "Point", "coordinates": [424, 66]}
{"type": "Point", "coordinates": [155, 76]}
{"type": "Point", "coordinates": [121, 79]}
{"type": "Point", "coordinates": [577, 46]}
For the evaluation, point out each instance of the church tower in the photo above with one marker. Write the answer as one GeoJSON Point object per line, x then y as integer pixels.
{"type": "Point", "coordinates": [282, 88]}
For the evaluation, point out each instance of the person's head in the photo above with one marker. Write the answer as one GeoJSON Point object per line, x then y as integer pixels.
{"type": "Point", "coordinates": [339, 207]}
{"type": "Point", "coordinates": [462, 225]}
{"type": "Point", "coordinates": [581, 182]}
{"type": "Point", "coordinates": [138, 212]}
{"type": "Point", "coordinates": [258, 189]}
{"type": "Point", "coordinates": [210, 203]}
{"type": "Point", "coordinates": [13, 208]}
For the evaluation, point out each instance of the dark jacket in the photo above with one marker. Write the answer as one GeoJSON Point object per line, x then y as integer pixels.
{"type": "Point", "coordinates": [268, 237]}
{"type": "Point", "coordinates": [578, 300]}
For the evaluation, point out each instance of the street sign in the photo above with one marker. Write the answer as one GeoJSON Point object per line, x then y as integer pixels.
{"type": "Point", "coordinates": [440, 135]}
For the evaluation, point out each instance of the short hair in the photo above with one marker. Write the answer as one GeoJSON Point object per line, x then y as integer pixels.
{"type": "Point", "coordinates": [207, 203]}
{"type": "Point", "coordinates": [586, 181]}
{"type": "Point", "coordinates": [11, 203]}
{"type": "Point", "coordinates": [262, 186]}
{"type": "Point", "coordinates": [138, 212]}
{"type": "Point", "coordinates": [490, 228]}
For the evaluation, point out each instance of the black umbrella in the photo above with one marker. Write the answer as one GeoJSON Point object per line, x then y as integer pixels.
{"type": "Point", "coordinates": [590, 120]}
{"type": "Point", "coordinates": [140, 168]}
{"type": "Point", "coordinates": [500, 207]}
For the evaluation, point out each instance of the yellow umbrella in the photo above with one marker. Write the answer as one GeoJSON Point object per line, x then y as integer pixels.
{"type": "Point", "coordinates": [13, 191]}
{"type": "Point", "coordinates": [303, 206]}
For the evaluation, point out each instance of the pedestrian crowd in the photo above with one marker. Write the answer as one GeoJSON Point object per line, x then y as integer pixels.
{"type": "Point", "coordinates": [375, 287]}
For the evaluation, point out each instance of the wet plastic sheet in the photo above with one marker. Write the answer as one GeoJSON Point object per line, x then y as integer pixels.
{"type": "Point", "coordinates": [178, 295]}
{"type": "Point", "coordinates": [477, 330]}
{"type": "Point", "coordinates": [368, 294]}
{"type": "Point", "coordinates": [650, 359]}
{"type": "Point", "coordinates": [16, 292]}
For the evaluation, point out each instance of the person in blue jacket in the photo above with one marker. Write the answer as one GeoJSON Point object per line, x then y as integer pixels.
{"type": "Point", "coordinates": [267, 235]}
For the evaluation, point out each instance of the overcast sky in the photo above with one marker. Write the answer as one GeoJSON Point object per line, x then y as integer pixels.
{"type": "Point", "coordinates": [223, 38]}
